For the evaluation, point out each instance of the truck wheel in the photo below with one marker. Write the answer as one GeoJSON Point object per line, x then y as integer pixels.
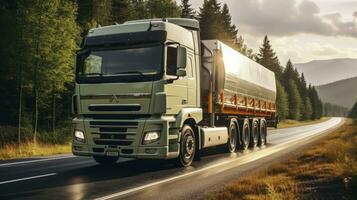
{"type": "Point", "coordinates": [187, 146]}
{"type": "Point", "coordinates": [244, 134]}
{"type": "Point", "coordinates": [232, 136]}
{"type": "Point", "coordinates": [254, 133]}
{"type": "Point", "coordinates": [104, 160]}
{"type": "Point", "coordinates": [263, 133]}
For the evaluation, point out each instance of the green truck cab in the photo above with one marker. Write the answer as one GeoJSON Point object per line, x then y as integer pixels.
{"type": "Point", "coordinates": [138, 94]}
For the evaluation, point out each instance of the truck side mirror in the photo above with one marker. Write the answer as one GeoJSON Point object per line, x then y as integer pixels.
{"type": "Point", "coordinates": [181, 57]}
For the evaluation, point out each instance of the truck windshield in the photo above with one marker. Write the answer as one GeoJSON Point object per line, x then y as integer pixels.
{"type": "Point", "coordinates": [130, 62]}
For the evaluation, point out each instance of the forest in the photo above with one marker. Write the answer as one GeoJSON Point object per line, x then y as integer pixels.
{"type": "Point", "coordinates": [39, 40]}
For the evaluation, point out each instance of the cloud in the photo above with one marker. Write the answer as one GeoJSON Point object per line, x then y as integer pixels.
{"type": "Point", "coordinates": [288, 17]}
{"type": "Point", "coordinates": [340, 27]}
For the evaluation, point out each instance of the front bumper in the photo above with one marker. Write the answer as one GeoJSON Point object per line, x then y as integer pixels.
{"type": "Point", "coordinates": [129, 144]}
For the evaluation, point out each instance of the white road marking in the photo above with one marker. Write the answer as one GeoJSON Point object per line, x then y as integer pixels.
{"type": "Point", "coordinates": [263, 153]}
{"type": "Point", "coordinates": [27, 178]}
{"type": "Point", "coordinates": [34, 161]}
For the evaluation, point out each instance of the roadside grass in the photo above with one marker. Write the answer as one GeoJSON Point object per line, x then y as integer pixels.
{"type": "Point", "coordinates": [326, 170]}
{"type": "Point", "coordinates": [293, 123]}
{"type": "Point", "coordinates": [30, 149]}
{"type": "Point", "coordinates": [48, 143]}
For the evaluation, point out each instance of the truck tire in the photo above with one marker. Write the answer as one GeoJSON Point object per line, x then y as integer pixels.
{"type": "Point", "coordinates": [232, 136]}
{"type": "Point", "coordinates": [262, 133]}
{"type": "Point", "coordinates": [254, 133]}
{"type": "Point", "coordinates": [187, 146]}
{"type": "Point", "coordinates": [105, 160]}
{"type": "Point", "coordinates": [244, 130]}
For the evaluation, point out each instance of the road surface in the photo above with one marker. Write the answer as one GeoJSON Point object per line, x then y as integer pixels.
{"type": "Point", "coordinates": [70, 177]}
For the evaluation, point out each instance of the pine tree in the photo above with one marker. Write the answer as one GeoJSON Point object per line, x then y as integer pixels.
{"type": "Point", "coordinates": [268, 58]}
{"type": "Point", "coordinates": [209, 17]}
{"type": "Point", "coordinates": [216, 23]}
{"type": "Point", "coordinates": [162, 8]}
{"type": "Point", "coordinates": [282, 101]}
{"type": "Point", "coordinates": [92, 13]}
{"type": "Point", "coordinates": [307, 108]}
{"type": "Point", "coordinates": [295, 102]}
{"type": "Point", "coordinates": [289, 73]}
{"type": "Point", "coordinates": [243, 48]}
{"type": "Point", "coordinates": [229, 31]}
{"type": "Point", "coordinates": [124, 10]}
{"type": "Point", "coordinates": [317, 106]}
{"type": "Point", "coordinates": [186, 10]}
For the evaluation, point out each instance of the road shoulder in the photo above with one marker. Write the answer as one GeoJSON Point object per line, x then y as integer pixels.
{"type": "Point", "coordinates": [325, 169]}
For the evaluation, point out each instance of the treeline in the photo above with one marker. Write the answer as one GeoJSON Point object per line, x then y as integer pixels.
{"type": "Point", "coordinates": [295, 100]}
{"type": "Point", "coordinates": [332, 110]}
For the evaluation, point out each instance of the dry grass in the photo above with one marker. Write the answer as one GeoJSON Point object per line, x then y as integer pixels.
{"type": "Point", "coordinates": [326, 170]}
{"type": "Point", "coordinates": [293, 123]}
{"type": "Point", "coordinates": [30, 150]}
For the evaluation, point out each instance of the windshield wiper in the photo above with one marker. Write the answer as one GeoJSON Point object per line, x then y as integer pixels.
{"type": "Point", "coordinates": [134, 73]}
{"type": "Point", "coordinates": [92, 74]}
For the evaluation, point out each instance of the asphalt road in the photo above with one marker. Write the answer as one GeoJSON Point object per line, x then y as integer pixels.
{"type": "Point", "coordinates": [69, 177]}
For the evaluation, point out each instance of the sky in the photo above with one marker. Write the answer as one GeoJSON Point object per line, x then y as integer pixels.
{"type": "Point", "coordinates": [300, 30]}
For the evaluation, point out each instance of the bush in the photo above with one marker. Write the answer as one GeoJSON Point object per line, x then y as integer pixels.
{"type": "Point", "coordinates": [9, 135]}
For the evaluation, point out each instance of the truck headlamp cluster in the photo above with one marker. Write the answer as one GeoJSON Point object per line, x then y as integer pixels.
{"type": "Point", "coordinates": [79, 136]}
{"type": "Point", "coordinates": [151, 137]}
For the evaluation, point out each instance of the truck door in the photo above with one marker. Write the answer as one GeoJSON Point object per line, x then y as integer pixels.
{"type": "Point", "coordinates": [191, 81]}
{"type": "Point", "coordinates": [176, 92]}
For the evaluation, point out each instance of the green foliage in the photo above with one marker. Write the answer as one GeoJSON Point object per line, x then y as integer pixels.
{"type": "Point", "coordinates": [92, 13]}
{"type": "Point", "coordinates": [282, 101]}
{"type": "Point", "coordinates": [289, 73]}
{"type": "Point", "coordinates": [216, 23]}
{"type": "Point", "coordinates": [8, 135]}
{"type": "Point", "coordinates": [162, 8]}
{"type": "Point", "coordinates": [295, 102]}
{"type": "Point", "coordinates": [353, 112]}
{"type": "Point", "coordinates": [268, 58]}
{"type": "Point", "coordinates": [229, 31]}
{"type": "Point", "coordinates": [9, 64]}
{"type": "Point", "coordinates": [186, 10]}
{"type": "Point", "coordinates": [124, 10]}
{"type": "Point", "coordinates": [306, 108]}
{"type": "Point", "coordinates": [209, 17]}
{"type": "Point", "coordinates": [316, 103]}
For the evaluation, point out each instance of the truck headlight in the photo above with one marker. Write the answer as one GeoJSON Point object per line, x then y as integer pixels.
{"type": "Point", "coordinates": [151, 137]}
{"type": "Point", "coordinates": [79, 135]}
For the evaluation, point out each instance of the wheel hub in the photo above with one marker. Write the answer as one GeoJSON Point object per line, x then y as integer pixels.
{"type": "Point", "coordinates": [189, 145]}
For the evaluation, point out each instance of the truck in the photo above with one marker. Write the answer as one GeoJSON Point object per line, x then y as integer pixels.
{"type": "Point", "coordinates": [152, 89]}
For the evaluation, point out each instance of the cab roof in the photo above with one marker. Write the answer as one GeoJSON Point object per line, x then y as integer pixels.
{"type": "Point", "coordinates": [184, 22]}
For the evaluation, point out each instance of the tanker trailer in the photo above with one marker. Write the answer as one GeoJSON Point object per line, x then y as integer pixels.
{"type": "Point", "coordinates": [237, 93]}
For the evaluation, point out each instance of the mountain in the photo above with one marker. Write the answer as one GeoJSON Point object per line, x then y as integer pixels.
{"type": "Point", "coordinates": [319, 72]}
{"type": "Point", "coordinates": [343, 92]}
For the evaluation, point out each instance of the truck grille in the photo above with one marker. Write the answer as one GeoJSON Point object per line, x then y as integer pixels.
{"type": "Point", "coordinates": [114, 108]}
{"type": "Point", "coordinates": [113, 133]}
